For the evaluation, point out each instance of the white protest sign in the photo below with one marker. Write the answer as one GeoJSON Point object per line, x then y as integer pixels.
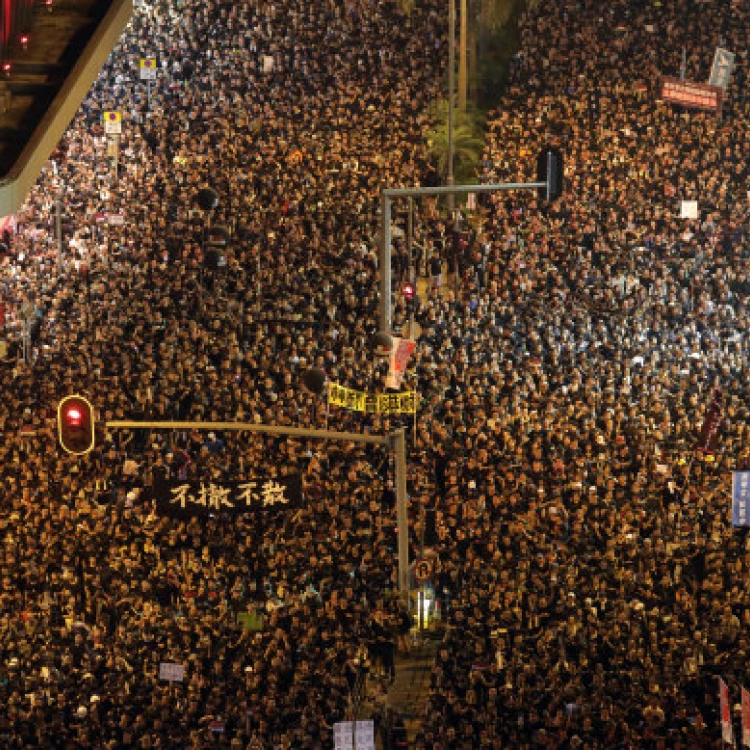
{"type": "Point", "coordinates": [722, 67]}
{"type": "Point", "coordinates": [171, 672]}
{"type": "Point", "coordinates": [365, 733]}
{"type": "Point", "coordinates": [689, 210]}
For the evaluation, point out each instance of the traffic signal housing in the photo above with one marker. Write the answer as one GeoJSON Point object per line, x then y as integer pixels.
{"type": "Point", "coordinates": [76, 424]}
{"type": "Point", "coordinates": [550, 170]}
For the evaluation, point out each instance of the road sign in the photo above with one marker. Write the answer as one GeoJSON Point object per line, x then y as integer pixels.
{"type": "Point", "coordinates": [422, 570]}
{"type": "Point", "coordinates": [113, 123]}
{"type": "Point", "coordinates": [147, 67]}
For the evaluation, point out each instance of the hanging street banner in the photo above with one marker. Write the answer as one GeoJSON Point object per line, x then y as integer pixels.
{"type": "Point", "coordinates": [399, 360]}
{"type": "Point", "coordinates": [690, 94]}
{"type": "Point", "coordinates": [195, 498]}
{"type": "Point", "coordinates": [372, 403]}
{"type": "Point", "coordinates": [721, 70]}
{"type": "Point", "coordinates": [741, 498]}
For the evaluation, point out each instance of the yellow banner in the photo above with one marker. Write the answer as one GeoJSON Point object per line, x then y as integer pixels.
{"type": "Point", "coordinates": [372, 403]}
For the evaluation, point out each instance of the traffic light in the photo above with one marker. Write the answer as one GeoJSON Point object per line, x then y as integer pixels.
{"type": "Point", "coordinates": [75, 425]}
{"type": "Point", "coordinates": [217, 239]}
{"type": "Point", "coordinates": [550, 170]}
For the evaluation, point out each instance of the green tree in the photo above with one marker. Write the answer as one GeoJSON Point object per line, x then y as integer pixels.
{"type": "Point", "coordinates": [406, 6]}
{"type": "Point", "coordinates": [468, 141]}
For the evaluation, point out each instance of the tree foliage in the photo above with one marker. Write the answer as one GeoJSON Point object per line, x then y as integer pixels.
{"type": "Point", "coordinates": [468, 141]}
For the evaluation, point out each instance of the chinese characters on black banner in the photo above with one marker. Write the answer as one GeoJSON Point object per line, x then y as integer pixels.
{"type": "Point", "coordinates": [195, 498]}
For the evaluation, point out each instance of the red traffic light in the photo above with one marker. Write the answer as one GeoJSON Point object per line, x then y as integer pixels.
{"type": "Point", "coordinates": [408, 291]}
{"type": "Point", "coordinates": [73, 416]}
{"type": "Point", "coordinates": [75, 425]}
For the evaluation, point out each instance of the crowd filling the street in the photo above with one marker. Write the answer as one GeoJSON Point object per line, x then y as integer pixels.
{"type": "Point", "coordinates": [587, 580]}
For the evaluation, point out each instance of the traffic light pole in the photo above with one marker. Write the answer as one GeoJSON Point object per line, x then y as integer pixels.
{"type": "Point", "coordinates": [395, 442]}
{"type": "Point", "coordinates": [391, 194]}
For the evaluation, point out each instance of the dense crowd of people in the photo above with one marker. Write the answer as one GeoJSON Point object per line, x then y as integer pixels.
{"type": "Point", "coordinates": [591, 571]}
{"type": "Point", "coordinates": [590, 581]}
{"type": "Point", "coordinates": [294, 114]}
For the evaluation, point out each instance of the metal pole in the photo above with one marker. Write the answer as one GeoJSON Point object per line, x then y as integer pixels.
{"type": "Point", "coordinates": [389, 194]}
{"type": "Point", "coordinates": [411, 272]}
{"type": "Point", "coordinates": [421, 612]}
{"type": "Point", "coordinates": [416, 401]}
{"type": "Point", "coordinates": [451, 91]}
{"type": "Point", "coordinates": [422, 521]}
{"type": "Point", "coordinates": [28, 340]}
{"type": "Point", "coordinates": [385, 266]}
{"type": "Point", "coordinates": [494, 187]}
{"type": "Point", "coordinates": [261, 244]}
{"type": "Point", "coordinates": [58, 234]}
{"type": "Point", "coordinates": [410, 240]}
{"type": "Point", "coordinates": [462, 64]}
{"type": "Point", "coordinates": [116, 156]}
{"type": "Point", "coordinates": [683, 64]}
{"type": "Point", "coordinates": [402, 516]}
{"type": "Point", "coordinates": [267, 429]}
{"type": "Point", "coordinates": [471, 51]}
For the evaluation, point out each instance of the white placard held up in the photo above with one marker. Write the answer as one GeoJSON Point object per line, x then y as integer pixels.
{"type": "Point", "coordinates": [721, 70]}
{"type": "Point", "coordinates": [171, 672]}
{"type": "Point", "coordinates": [342, 735]}
{"type": "Point", "coordinates": [689, 210]}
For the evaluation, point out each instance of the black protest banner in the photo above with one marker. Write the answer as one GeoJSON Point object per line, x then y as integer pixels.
{"type": "Point", "coordinates": [709, 437]}
{"type": "Point", "coordinates": [181, 499]}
